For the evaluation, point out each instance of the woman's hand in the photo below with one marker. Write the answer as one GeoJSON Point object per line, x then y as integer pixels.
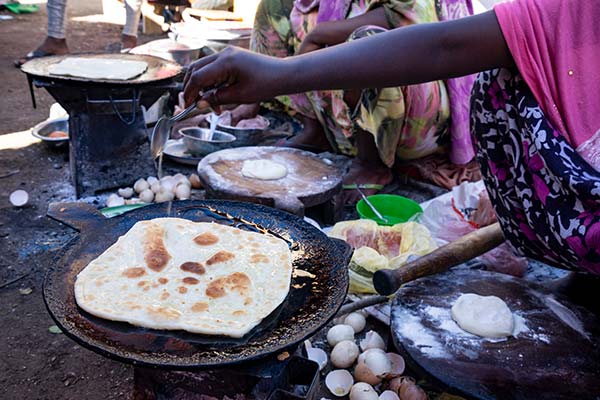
{"type": "Point", "coordinates": [314, 40]}
{"type": "Point", "coordinates": [239, 76]}
{"type": "Point", "coordinates": [323, 35]}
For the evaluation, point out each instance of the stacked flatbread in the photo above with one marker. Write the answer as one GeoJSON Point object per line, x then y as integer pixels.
{"type": "Point", "coordinates": [171, 273]}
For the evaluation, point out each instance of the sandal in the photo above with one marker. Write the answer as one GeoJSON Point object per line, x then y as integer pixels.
{"type": "Point", "coordinates": [30, 56]}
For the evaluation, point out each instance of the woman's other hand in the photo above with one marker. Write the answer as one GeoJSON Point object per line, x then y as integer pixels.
{"type": "Point", "coordinates": [244, 111]}
{"type": "Point", "coordinates": [316, 39]}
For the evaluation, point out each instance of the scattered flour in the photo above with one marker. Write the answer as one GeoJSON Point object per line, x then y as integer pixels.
{"type": "Point", "coordinates": [450, 339]}
{"type": "Point", "coordinates": [412, 329]}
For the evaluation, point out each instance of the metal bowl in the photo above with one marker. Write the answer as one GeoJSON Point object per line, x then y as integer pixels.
{"type": "Point", "coordinates": [43, 129]}
{"type": "Point", "coordinates": [183, 53]}
{"type": "Point", "coordinates": [245, 136]}
{"type": "Point", "coordinates": [197, 143]}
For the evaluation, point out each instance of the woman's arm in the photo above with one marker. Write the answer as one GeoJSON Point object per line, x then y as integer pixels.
{"type": "Point", "coordinates": [404, 56]}
{"type": "Point", "coordinates": [335, 32]}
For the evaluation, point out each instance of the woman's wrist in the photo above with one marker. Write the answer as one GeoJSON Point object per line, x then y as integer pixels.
{"type": "Point", "coordinates": [291, 76]}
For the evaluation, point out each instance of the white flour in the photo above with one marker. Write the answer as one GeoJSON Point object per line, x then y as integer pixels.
{"type": "Point", "coordinates": [433, 331]}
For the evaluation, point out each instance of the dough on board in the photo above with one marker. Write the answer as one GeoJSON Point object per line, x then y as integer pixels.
{"type": "Point", "coordinates": [486, 316]}
{"type": "Point", "coordinates": [263, 169]}
{"type": "Point", "coordinates": [99, 68]}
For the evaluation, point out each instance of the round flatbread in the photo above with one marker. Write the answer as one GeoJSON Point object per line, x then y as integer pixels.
{"type": "Point", "coordinates": [99, 68]}
{"type": "Point", "coordinates": [172, 273]}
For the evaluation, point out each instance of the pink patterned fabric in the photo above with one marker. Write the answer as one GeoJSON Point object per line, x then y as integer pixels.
{"type": "Point", "coordinates": [330, 10]}
{"type": "Point", "coordinates": [459, 92]}
{"type": "Point", "coordinates": [556, 46]}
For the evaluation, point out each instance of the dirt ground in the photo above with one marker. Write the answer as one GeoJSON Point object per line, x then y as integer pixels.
{"type": "Point", "coordinates": [35, 363]}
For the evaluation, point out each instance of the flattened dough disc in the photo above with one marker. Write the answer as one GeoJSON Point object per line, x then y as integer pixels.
{"type": "Point", "coordinates": [557, 358]}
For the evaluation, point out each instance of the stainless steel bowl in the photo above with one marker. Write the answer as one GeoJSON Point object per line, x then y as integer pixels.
{"type": "Point", "coordinates": [43, 129]}
{"type": "Point", "coordinates": [197, 143]}
{"type": "Point", "coordinates": [183, 53]}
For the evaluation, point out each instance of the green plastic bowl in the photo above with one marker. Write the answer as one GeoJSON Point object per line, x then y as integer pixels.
{"type": "Point", "coordinates": [396, 209]}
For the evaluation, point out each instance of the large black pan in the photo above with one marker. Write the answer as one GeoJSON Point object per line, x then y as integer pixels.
{"type": "Point", "coordinates": [311, 303]}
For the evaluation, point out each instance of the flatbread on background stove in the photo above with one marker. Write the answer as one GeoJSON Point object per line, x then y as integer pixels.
{"type": "Point", "coordinates": [172, 273]}
{"type": "Point", "coordinates": [99, 68]}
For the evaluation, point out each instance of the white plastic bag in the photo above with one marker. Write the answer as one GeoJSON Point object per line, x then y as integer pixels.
{"type": "Point", "coordinates": [468, 209]}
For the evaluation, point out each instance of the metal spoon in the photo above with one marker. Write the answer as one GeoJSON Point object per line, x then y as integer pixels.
{"type": "Point", "coordinates": [371, 206]}
{"type": "Point", "coordinates": [162, 129]}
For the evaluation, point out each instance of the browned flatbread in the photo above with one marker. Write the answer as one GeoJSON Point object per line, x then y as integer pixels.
{"type": "Point", "coordinates": [171, 273]}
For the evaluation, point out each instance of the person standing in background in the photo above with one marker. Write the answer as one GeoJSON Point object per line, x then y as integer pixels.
{"type": "Point", "coordinates": [56, 41]}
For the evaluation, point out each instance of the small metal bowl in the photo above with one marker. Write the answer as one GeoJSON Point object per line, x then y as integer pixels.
{"type": "Point", "coordinates": [197, 143]}
{"type": "Point", "coordinates": [43, 129]}
{"type": "Point", "coordinates": [246, 136]}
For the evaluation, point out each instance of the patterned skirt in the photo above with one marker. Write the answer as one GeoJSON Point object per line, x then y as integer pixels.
{"type": "Point", "coordinates": [546, 196]}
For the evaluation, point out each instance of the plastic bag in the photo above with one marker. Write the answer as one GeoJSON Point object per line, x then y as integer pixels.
{"type": "Point", "coordinates": [380, 247]}
{"type": "Point", "coordinates": [468, 209]}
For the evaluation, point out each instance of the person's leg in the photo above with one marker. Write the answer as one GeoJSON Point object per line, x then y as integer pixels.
{"type": "Point", "coordinates": [55, 42]}
{"type": "Point", "coordinates": [546, 197]}
{"type": "Point", "coordinates": [57, 10]}
{"type": "Point", "coordinates": [133, 12]}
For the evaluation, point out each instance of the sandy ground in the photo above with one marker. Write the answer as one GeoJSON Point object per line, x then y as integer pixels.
{"type": "Point", "coordinates": [35, 363]}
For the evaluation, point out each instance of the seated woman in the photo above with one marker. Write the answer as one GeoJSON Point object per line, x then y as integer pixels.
{"type": "Point", "coordinates": [535, 111]}
{"type": "Point", "coordinates": [376, 126]}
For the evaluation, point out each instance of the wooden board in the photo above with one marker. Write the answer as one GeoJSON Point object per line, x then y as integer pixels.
{"type": "Point", "coordinates": [310, 180]}
{"type": "Point", "coordinates": [556, 357]}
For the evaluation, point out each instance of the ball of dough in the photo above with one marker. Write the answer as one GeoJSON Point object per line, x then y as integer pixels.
{"type": "Point", "coordinates": [263, 169]}
{"type": "Point", "coordinates": [486, 316]}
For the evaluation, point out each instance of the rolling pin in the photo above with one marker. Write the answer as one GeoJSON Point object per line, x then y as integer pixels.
{"type": "Point", "coordinates": [387, 281]}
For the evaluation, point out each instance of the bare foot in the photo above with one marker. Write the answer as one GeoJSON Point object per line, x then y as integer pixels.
{"type": "Point", "coordinates": [128, 41]}
{"type": "Point", "coordinates": [361, 173]}
{"type": "Point", "coordinates": [312, 136]}
{"type": "Point", "coordinates": [50, 46]}
{"type": "Point", "coordinates": [54, 46]}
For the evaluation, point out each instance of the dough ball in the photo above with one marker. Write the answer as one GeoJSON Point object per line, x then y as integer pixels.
{"type": "Point", "coordinates": [486, 316]}
{"type": "Point", "coordinates": [263, 169]}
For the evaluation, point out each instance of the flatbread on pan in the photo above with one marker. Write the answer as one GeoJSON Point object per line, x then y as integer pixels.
{"type": "Point", "coordinates": [172, 273]}
{"type": "Point", "coordinates": [99, 68]}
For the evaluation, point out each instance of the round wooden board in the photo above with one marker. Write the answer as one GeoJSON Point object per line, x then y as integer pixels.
{"type": "Point", "coordinates": [555, 357]}
{"type": "Point", "coordinates": [310, 180]}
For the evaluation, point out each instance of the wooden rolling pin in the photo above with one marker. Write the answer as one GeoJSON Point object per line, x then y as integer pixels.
{"type": "Point", "coordinates": [387, 281]}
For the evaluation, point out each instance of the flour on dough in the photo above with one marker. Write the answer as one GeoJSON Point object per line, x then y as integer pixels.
{"type": "Point", "coordinates": [263, 169]}
{"type": "Point", "coordinates": [99, 68]}
{"type": "Point", "coordinates": [486, 316]}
